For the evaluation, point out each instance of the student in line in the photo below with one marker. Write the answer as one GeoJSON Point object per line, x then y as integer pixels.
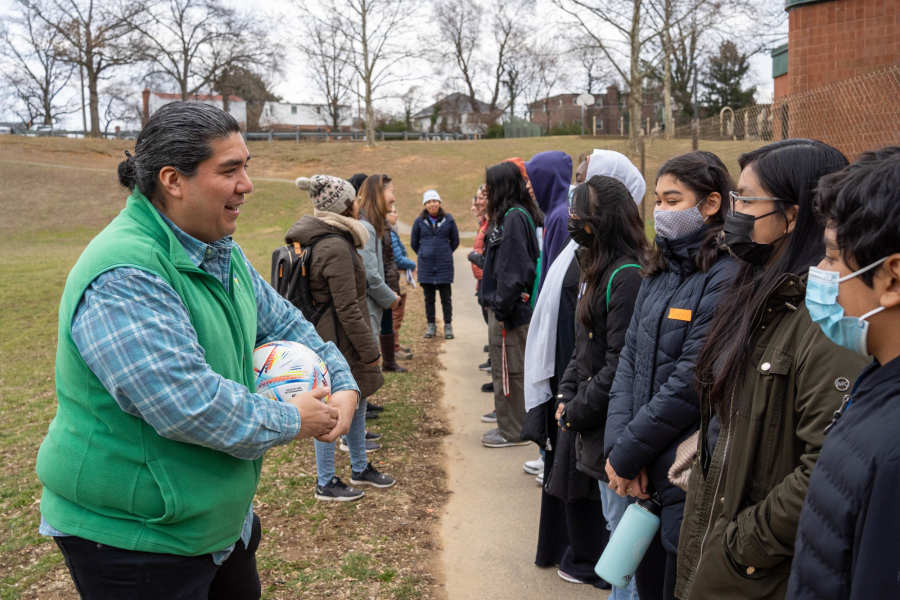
{"type": "Point", "coordinates": [846, 545]}
{"type": "Point", "coordinates": [653, 404]}
{"type": "Point", "coordinates": [434, 238]}
{"type": "Point", "coordinates": [407, 273]}
{"type": "Point", "coordinates": [612, 246]}
{"type": "Point", "coordinates": [769, 381]}
{"type": "Point", "coordinates": [510, 271]}
{"type": "Point", "coordinates": [335, 234]}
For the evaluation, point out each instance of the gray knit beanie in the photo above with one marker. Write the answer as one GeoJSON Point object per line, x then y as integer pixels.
{"type": "Point", "coordinates": [329, 194]}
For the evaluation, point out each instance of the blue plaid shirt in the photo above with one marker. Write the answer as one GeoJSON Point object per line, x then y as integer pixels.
{"type": "Point", "coordinates": [134, 332]}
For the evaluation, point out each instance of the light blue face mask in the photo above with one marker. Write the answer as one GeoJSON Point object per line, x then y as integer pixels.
{"type": "Point", "coordinates": [821, 300]}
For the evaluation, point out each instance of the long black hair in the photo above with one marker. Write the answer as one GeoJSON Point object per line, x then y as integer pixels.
{"type": "Point", "coordinates": [506, 188]}
{"type": "Point", "coordinates": [606, 206]}
{"type": "Point", "coordinates": [703, 173]}
{"type": "Point", "coordinates": [178, 135]}
{"type": "Point", "coordinates": [788, 170]}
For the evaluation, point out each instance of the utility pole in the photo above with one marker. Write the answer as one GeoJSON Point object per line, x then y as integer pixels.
{"type": "Point", "coordinates": [695, 126]}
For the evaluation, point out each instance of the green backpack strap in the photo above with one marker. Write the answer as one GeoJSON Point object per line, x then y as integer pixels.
{"type": "Point", "coordinates": [537, 280]}
{"type": "Point", "coordinates": [609, 285]}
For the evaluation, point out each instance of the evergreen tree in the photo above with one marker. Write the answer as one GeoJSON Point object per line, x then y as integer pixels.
{"type": "Point", "coordinates": [722, 83]}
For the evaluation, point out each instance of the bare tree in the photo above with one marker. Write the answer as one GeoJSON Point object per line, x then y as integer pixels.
{"type": "Point", "coordinates": [379, 34]}
{"type": "Point", "coordinates": [328, 53]}
{"type": "Point", "coordinates": [121, 104]}
{"type": "Point", "coordinates": [411, 99]}
{"type": "Point", "coordinates": [94, 35]}
{"type": "Point", "coordinates": [459, 25]}
{"type": "Point", "coordinates": [37, 73]}
{"type": "Point", "coordinates": [195, 41]}
{"type": "Point", "coordinates": [254, 88]}
{"type": "Point", "coordinates": [508, 31]}
{"type": "Point", "coordinates": [547, 73]}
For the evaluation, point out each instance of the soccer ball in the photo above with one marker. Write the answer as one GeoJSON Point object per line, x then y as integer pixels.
{"type": "Point", "coordinates": [284, 369]}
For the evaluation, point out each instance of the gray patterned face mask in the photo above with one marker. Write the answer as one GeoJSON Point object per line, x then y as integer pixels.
{"type": "Point", "coordinates": [673, 224]}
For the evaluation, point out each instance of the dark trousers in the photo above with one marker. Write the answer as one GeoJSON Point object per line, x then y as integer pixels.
{"type": "Point", "coordinates": [103, 572]}
{"type": "Point", "coordinates": [387, 322]}
{"type": "Point", "coordinates": [446, 305]}
{"type": "Point", "coordinates": [655, 576]}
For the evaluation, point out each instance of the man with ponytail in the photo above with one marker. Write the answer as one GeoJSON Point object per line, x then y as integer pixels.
{"type": "Point", "coordinates": [150, 466]}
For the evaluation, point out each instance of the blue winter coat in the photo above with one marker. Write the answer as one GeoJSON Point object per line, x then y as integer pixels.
{"type": "Point", "coordinates": [653, 404]}
{"type": "Point", "coordinates": [401, 258]}
{"type": "Point", "coordinates": [847, 538]}
{"type": "Point", "coordinates": [434, 245]}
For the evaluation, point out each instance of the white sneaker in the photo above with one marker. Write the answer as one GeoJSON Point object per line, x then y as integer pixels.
{"type": "Point", "coordinates": [533, 467]}
{"type": "Point", "coordinates": [540, 479]}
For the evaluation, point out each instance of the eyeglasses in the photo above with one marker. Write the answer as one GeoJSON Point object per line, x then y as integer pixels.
{"type": "Point", "coordinates": [734, 198]}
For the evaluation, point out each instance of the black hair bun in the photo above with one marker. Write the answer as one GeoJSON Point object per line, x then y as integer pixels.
{"type": "Point", "coordinates": [127, 172]}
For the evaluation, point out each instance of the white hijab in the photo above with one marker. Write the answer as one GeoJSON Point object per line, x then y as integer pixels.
{"type": "Point", "coordinates": [540, 347]}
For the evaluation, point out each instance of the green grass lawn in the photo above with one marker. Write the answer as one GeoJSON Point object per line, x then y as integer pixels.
{"type": "Point", "coordinates": [52, 212]}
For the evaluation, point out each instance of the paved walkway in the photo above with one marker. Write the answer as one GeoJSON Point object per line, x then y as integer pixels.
{"type": "Point", "coordinates": [489, 528]}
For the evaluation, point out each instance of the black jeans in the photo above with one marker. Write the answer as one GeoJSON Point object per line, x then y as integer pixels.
{"type": "Point", "coordinates": [103, 572]}
{"type": "Point", "coordinates": [444, 289]}
{"type": "Point", "coordinates": [655, 576]}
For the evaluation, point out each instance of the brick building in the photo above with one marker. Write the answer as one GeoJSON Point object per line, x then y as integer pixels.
{"type": "Point", "coordinates": [833, 40]}
{"type": "Point", "coordinates": [836, 78]}
{"type": "Point", "coordinates": [610, 110]}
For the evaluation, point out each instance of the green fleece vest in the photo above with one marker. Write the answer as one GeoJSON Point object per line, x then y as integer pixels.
{"type": "Point", "coordinates": [108, 476]}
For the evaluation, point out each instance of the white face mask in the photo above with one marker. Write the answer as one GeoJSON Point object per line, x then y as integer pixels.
{"type": "Point", "coordinates": [673, 224]}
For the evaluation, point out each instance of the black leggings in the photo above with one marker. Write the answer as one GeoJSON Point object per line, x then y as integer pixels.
{"type": "Point", "coordinates": [655, 576]}
{"type": "Point", "coordinates": [444, 289]}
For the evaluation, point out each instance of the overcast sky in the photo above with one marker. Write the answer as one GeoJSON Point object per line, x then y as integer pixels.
{"type": "Point", "coordinates": [294, 84]}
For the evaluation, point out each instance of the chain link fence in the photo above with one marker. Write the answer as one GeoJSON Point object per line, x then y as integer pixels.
{"type": "Point", "coordinates": [853, 115]}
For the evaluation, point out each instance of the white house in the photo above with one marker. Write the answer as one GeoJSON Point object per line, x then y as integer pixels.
{"type": "Point", "coordinates": [237, 107]}
{"type": "Point", "coordinates": [456, 110]}
{"type": "Point", "coordinates": [293, 116]}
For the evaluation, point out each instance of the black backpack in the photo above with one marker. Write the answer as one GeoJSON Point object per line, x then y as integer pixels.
{"type": "Point", "coordinates": [290, 277]}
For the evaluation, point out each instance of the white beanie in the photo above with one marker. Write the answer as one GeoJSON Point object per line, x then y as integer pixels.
{"type": "Point", "coordinates": [613, 164]}
{"type": "Point", "coordinates": [430, 195]}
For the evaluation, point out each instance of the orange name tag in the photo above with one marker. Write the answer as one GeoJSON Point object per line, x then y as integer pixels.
{"type": "Point", "coordinates": [680, 314]}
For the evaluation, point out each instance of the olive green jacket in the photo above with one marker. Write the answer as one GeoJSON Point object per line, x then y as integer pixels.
{"type": "Point", "coordinates": [741, 512]}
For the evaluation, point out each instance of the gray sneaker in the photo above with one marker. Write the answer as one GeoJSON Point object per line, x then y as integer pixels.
{"type": "Point", "coordinates": [448, 332]}
{"type": "Point", "coordinates": [338, 490]}
{"type": "Point", "coordinates": [371, 476]}
{"type": "Point", "coordinates": [431, 331]}
{"type": "Point", "coordinates": [495, 440]}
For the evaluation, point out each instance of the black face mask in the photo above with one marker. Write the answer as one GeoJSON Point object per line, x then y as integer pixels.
{"type": "Point", "coordinates": [739, 238]}
{"type": "Point", "coordinates": [578, 233]}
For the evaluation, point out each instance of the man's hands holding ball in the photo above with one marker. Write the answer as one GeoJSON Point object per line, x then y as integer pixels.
{"type": "Point", "coordinates": [325, 422]}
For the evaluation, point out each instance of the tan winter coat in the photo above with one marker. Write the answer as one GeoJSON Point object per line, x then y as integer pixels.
{"type": "Point", "coordinates": [332, 279]}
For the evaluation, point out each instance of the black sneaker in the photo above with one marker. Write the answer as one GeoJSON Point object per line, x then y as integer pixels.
{"type": "Point", "coordinates": [373, 436]}
{"type": "Point", "coordinates": [371, 476]}
{"type": "Point", "coordinates": [488, 387]}
{"type": "Point", "coordinates": [370, 446]}
{"type": "Point", "coordinates": [371, 415]}
{"type": "Point", "coordinates": [338, 490]}
{"type": "Point", "coordinates": [486, 366]}
{"type": "Point", "coordinates": [370, 407]}
{"type": "Point", "coordinates": [487, 348]}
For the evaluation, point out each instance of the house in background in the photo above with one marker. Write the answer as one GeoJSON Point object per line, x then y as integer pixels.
{"type": "Point", "coordinates": [456, 112]}
{"type": "Point", "coordinates": [610, 110]}
{"type": "Point", "coordinates": [237, 107]}
{"type": "Point", "coordinates": [294, 116]}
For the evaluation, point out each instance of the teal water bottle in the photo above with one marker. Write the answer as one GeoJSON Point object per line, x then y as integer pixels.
{"type": "Point", "coordinates": [629, 543]}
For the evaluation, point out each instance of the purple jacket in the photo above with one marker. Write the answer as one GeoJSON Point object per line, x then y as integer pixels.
{"type": "Point", "coordinates": [550, 174]}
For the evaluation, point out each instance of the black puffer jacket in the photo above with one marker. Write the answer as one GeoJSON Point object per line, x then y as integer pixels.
{"type": "Point", "coordinates": [847, 538]}
{"type": "Point", "coordinates": [589, 376]}
{"type": "Point", "coordinates": [653, 404]}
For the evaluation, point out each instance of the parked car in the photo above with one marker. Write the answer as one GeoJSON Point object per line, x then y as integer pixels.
{"type": "Point", "coordinates": [6, 130]}
{"type": "Point", "coordinates": [40, 130]}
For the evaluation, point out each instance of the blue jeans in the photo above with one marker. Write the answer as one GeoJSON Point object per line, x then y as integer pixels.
{"type": "Point", "coordinates": [356, 441]}
{"type": "Point", "coordinates": [613, 508]}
